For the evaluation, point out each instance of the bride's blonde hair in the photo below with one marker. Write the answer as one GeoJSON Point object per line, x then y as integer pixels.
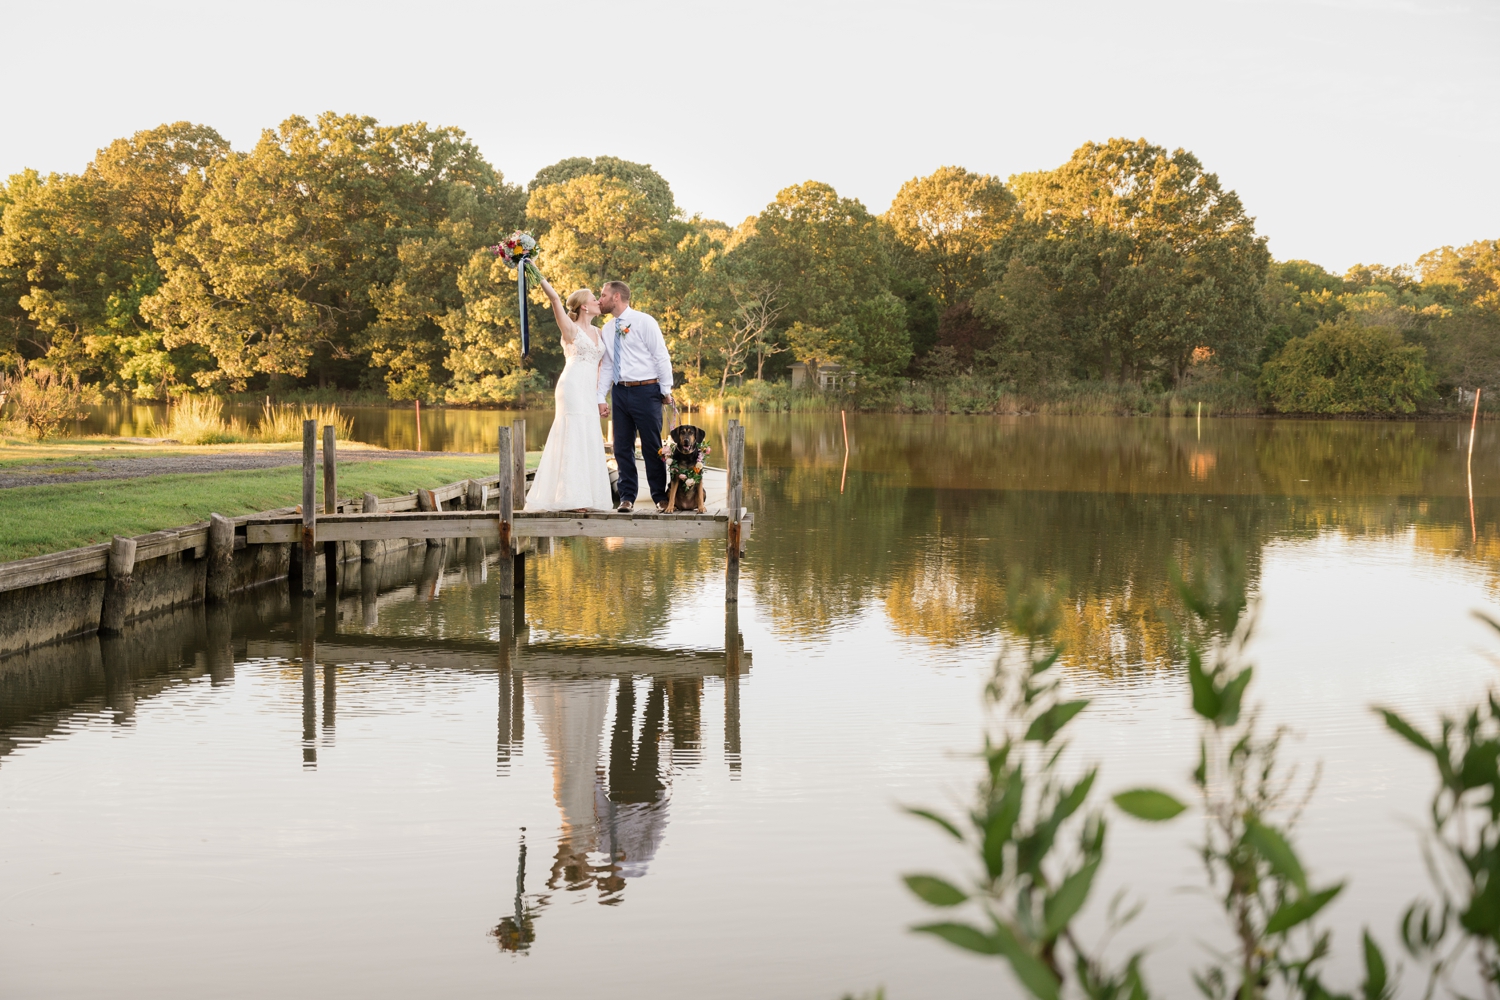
{"type": "Point", "coordinates": [576, 301]}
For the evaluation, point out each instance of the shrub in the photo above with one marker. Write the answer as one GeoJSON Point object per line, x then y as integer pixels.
{"type": "Point", "coordinates": [43, 400]}
{"type": "Point", "coordinates": [1343, 367]}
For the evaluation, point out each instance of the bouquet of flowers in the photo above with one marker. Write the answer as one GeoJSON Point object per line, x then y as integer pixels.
{"type": "Point", "coordinates": [519, 249]}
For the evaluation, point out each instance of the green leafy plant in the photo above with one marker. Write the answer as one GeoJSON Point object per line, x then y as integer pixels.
{"type": "Point", "coordinates": [44, 401]}
{"type": "Point", "coordinates": [1463, 852]}
{"type": "Point", "coordinates": [1250, 803]}
{"type": "Point", "coordinates": [1343, 367]}
{"type": "Point", "coordinates": [1037, 850]}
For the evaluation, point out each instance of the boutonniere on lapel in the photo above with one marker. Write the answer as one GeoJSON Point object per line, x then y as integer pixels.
{"type": "Point", "coordinates": [622, 329]}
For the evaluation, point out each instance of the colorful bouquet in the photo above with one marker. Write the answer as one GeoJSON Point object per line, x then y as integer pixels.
{"type": "Point", "coordinates": [519, 248]}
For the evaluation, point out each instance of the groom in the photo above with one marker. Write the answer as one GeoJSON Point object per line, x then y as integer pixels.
{"type": "Point", "coordinates": [636, 375]}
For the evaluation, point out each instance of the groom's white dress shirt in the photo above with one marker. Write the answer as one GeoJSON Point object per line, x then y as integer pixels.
{"type": "Point", "coordinates": [643, 353]}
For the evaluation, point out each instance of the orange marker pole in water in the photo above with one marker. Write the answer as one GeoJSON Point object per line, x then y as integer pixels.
{"type": "Point", "coordinates": [845, 475]}
{"type": "Point", "coordinates": [419, 425]}
{"type": "Point", "coordinates": [1473, 425]}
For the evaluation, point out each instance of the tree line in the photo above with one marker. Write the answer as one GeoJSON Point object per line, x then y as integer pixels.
{"type": "Point", "coordinates": [345, 253]}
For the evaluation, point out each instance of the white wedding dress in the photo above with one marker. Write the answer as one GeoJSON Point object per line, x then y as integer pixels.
{"type": "Point", "coordinates": [572, 473]}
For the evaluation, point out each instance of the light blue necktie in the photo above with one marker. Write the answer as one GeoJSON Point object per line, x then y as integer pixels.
{"type": "Point", "coordinates": [618, 340]}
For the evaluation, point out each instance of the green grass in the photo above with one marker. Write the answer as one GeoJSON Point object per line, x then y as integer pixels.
{"type": "Point", "coordinates": [38, 519]}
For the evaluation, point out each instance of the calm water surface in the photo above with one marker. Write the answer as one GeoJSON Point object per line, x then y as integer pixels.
{"type": "Point", "coordinates": [372, 797]}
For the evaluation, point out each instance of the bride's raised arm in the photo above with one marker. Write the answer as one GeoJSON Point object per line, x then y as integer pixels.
{"type": "Point", "coordinates": [560, 311]}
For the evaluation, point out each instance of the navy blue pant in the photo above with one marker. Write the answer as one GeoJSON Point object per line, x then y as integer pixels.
{"type": "Point", "coordinates": [637, 409]}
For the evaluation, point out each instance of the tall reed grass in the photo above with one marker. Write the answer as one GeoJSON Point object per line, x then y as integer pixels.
{"type": "Point", "coordinates": [284, 422]}
{"type": "Point", "coordinates": [201, 420]}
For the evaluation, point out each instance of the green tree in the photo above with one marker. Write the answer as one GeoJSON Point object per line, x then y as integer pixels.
{"type": "Point", "coordinates": [945, 224]}
{"type": "Point", "coordinates": [595, 229]}
{"type": "Point", "coordinates": [829, 260]}
{"type": "Point", "coordinates": [483, 338]}
{"type": "Point", "coordinates": [293, 259]}
{"type": "Point", "coordinates": [1299, 295]}
{"type": "Point", "coordinates": [1143, 258]}
{"type": "Point", "coordinates": [1343, 367]}
{"type": "Point", "coordinates": [80, 250]}
{"type": "Point", "coordinates": [639, 177]}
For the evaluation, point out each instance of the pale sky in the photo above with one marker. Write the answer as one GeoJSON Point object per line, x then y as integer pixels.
{"type": "Point", "coordinates": [1354, 130]}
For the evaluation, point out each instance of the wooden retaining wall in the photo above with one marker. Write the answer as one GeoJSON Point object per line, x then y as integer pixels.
{"type": "Point", "coordinates": [48, 598]}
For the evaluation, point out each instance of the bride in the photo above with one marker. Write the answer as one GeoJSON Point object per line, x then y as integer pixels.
{"type": "Point", "coordinates": [572, 474]}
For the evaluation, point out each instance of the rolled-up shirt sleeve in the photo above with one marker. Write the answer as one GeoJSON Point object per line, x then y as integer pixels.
{"type": "Point", "coordinates": [660, 357]}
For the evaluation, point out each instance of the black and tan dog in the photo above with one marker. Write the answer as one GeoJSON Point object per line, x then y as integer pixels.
{"type": "Point", "coordinates": [684, 452]}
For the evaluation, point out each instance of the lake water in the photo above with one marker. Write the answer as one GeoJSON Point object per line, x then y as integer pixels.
{"type": "Point", "coordinates": [606, 810]}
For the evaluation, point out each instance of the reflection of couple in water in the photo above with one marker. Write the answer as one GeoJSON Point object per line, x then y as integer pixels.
{"type": "Point", "coordinates": [613, 817]}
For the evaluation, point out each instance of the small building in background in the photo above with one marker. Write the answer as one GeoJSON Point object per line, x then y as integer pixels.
{"type": "Point", "coordinates": [829, 376]}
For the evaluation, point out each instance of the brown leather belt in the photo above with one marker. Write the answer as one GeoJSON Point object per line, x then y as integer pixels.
{"type": "Point", "coordinates": [649, 381]}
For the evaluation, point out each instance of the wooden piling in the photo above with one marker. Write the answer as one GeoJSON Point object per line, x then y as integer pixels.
{"type": "Point", "coordinates": [330, 506]}
{"type": "Point", "coordinates": [427, 502]}
{"type": "Point", "coordinates": [733, 651]}
{"type": "Point", "coordinates": [474, 495]}
{"type": "Point", "coordinates": [220, 580]}
{"type": "Point", "coordinates": [309, 508]}
{"type": "Point", "coordinates": [369, 593]}
{"type": "Point", "coordinates": [119, 571]}
{"type": "Point", "coordinates": [735, 444]}
{"type": "Point", "coordinates": [506, 490]}
{"type": "Point", "coordinates": [309, 683]}
{"type": "Point", "coordinates": [518, 450]}
{"type": "Point", "coordinates": [367, 549]}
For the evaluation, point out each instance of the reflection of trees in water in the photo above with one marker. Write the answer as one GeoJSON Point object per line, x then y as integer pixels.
{"type": "Point", "coordinates": [615, 588]}
{"type": "Point", "coordinates": [937, 559]}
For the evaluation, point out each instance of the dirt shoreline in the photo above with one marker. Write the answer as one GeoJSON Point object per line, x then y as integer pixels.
{"type": "Point", "coordinates": [83, 470]}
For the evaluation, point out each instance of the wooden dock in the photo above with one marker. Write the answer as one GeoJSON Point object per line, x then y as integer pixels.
{"type": "Point", "coordinates": [489, 509]}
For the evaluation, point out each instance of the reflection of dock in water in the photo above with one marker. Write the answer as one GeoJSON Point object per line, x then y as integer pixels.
{"type": "Point", "coordinates": [615, 720]}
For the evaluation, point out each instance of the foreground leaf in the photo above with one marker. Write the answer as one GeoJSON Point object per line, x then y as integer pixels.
{"type": "Point", "coordinates": [1374, 987]}
{"type": "Point", "coordinates": [1205, 699]}
{"type": "Point", "coordinates": [1051, 722]}
{"type": "Point", "coordinates": [1405, 729]}
{"type": "Point", "coordinates": [1069, 898]}
{"type": "Point", "coordinates": [1272, 846]}
{"type": "Point", "coordinates": [940, 821]}
{"type": "Point", "coordinates": [964, 936]}
{"type": "Point", "coordinates": [1030, 970]}
{"type": "Point", "coordinates": [1149, 804]}
{"type": "Point", "coordinates": [1300, 910]}
{"type": "Point", "coordinates": [935, 891]}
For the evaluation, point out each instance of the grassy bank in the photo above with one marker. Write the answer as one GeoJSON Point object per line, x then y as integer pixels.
{"type": "Point", "coordinates": [41, 519]}
{"type": "Point", "coordinates": [976, 394]}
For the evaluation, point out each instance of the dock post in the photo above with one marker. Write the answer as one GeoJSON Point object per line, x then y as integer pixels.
{"type": "Point", "coordinates": [426, 501]}
{"type": "Point", "coordinates": [506, 488]}
{"type": "Point", "coordinates": [368, 548]}
{"type": "Point", "coordinates": [330, 506]}
{"type": "Point", "coordinates": [518, 449]}
{"type": "Point", "coordinates": [119, 571]}
{"type": "Point", "coordinates": [309, 684]}
{"type": "Point", "coordinates": [369, 593]}
{"type": "Point", "coordinates": [733, 648]}
{"type": "Point", "coordinates": [735, 441]}
{"type": "Point", "coordinates": [518, 493]}
{"type": "Point", "coordinates": [309, 508]}
{"type": "Point", "coordinates": [473, 495]}
{"type": "Point", "coordinates": [220, 558]}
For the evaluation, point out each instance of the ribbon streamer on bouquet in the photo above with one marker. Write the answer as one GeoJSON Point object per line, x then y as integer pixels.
{"type": "Point", "coordinates": [521, 298]}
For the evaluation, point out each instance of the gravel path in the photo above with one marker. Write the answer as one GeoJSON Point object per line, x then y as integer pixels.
{"type": "Point", "coordinates": [88, 469]}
